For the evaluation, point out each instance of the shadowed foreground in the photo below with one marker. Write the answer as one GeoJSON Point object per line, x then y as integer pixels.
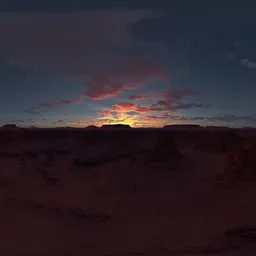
{"type": "Point", "coordinates": [135, 192]}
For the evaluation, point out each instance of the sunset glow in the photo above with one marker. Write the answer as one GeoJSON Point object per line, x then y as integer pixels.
{"type": "Point", "coordinates": [145, 68]}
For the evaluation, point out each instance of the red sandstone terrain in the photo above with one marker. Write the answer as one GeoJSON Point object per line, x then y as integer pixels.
{"type": "Point", "coordinates": [127, 192]}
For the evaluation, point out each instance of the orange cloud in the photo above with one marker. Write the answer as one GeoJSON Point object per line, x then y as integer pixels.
{"type": "Point", "coordinates": [125, 106]}
{"type": "Point", "coordinates": [129, 107]}
{"type": "Point", "coordinates": [158, 112]}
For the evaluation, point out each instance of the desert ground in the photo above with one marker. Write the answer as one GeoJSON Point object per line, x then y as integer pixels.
{"type": "Point", "coordinates": [102, 192]}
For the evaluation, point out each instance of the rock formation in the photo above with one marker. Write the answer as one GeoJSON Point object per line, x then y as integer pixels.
{"type": "Point", "coordinates": [242, 161]}
{"type": "Point", "coordinates": [92, 127]}
{"type": "Point", "coordinates": [116, 126]}
{"type": "Point", "coordinates": [10, 126]}
{"type": "Point", "coordinates": [218, 142]}
{"type": "Point", "coordinates": [165, 152]}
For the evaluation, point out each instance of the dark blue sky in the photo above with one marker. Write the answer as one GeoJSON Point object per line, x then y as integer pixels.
{"type": "Point", "coordinates": [145, 63]}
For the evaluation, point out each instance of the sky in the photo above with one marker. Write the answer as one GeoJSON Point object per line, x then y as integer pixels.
{"type": "Point", "coordinates": [143, 63]}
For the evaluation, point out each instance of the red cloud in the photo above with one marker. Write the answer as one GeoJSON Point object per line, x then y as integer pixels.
{"type": "Point", "coordinates": [142, 109]}
{"type": "Point", "coordinates": [78, 41]}
{"type": "Point", "coordinates": [127, 75]}
{"type": "Point", "coordinates": [125, 105]}
{"type": "Point", "coordinates": [101, 92]}
{"type": "Point", "coordinates": [170, 102]}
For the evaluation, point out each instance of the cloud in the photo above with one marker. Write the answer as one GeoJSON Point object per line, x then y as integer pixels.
{"type": "Point", "coordinates": [227, 118]}
{"type": "Point", "coordinates": [136, 97]}
{"type": "Point", "coordinates": [61, 103]}
{"type": "Point", "coordinates": [60, 122]}
{"type": "Point", "coordinates": [105, 114]}
{"type": "Point", "coordinates": [231, 55]}
{"type": "Point", "coordinates": [187, 118]}
{"type": "Point", "coordinates": [237, 44]}
{"type": "Point", "coordinates": [125, 106]}
{"type": "Point", "coordinates": [157, 117]}
{"type": "Point", "coordinates": [91, 45]}
{"type": "Point", "coordinates": [161, 118]}
{"type": "Point", "coordinates": [128, 107]}
{"type": "Point", "coordinates": [77, 5]}
{"type": "Point", "coordinates": [172, 97]}
{"type": "Point", "coordinates": [248, 63]}
{"type": "Point", "coordinates": [167, 116]}
{"type": "Point", "coordinates": [147, 95]}
{"type": "Point", "coordinates": [64, 40]}
{"type": "Point", "coordinates": [105, 83]}
{"type": "Point", "coordinates": [128, 74]}
{"type": "Point", "coordinates": [32, 111]}
{"type": "Point", "coordinates": [172, 101]}
{"type": "Point", "coordinates": [35, 110]}
{"type": "Point", "coordinates": [178, 94]}
{"type": "Point", "coordinates": [142, 109]}
{"type": "Point", "coordinates": [189, 106]}
{"type": "Point", "coordinates": [100, 91]}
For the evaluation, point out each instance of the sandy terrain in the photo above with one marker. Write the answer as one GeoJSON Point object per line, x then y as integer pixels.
{"type": "Point", "coordinates": [113, 200]}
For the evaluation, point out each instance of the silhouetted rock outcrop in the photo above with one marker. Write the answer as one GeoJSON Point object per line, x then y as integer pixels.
{"type": "Point", "coordinates": [11, 133]}
{"type": "Point", "coordinates": [92, 127]}
{"type": "Point", "coordinates": [115, 126]}
{"type": "Point", "coordinates": [10, 126]}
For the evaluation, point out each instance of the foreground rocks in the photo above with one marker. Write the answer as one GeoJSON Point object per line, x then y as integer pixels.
{"type": "Point", "coordinates": [242, 161]}
{"type": "Point", "coordinates": [218, 142]}
{"type": "Point", "coordinates": [165, 153]}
